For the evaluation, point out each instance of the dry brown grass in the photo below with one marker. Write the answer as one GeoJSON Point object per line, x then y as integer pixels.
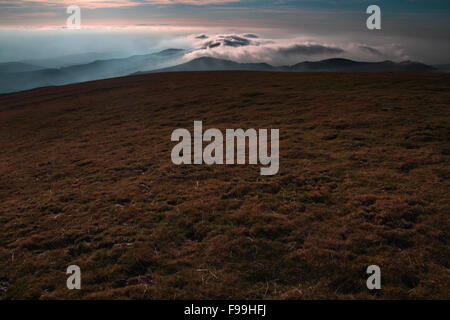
{"type": "Point", "coordinates": [86, 179]}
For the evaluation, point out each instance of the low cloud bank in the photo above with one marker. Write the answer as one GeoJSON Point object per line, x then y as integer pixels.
{"type": "Point", "coordinates": [251, 48]}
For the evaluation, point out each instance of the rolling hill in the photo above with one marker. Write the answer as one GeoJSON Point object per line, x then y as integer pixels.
{"type": "Point", "coordinates": [86, 178]}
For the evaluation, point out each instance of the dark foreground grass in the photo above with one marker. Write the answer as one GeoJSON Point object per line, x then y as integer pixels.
{"type": "Point", "coordinates": [86, 179]}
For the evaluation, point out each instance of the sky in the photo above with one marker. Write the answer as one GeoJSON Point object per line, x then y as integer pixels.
{"type": "Point", "coordinates": [286, 31]}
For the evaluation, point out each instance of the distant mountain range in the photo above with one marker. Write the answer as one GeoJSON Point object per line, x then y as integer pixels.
{"type": "Point", "coordinates": [18, 76]}
{"type": "Point", "coordinates": [212, 64]}
{"type": "Point", "coordinates": [73, 59]}
{"type": "Point", "coordinates": [329, 65]}
{"type": "Point", "coordinates": [12, 67]}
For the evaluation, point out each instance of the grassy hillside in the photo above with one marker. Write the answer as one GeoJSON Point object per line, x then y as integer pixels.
{"type": "Point", "coordinates": [86, 179]}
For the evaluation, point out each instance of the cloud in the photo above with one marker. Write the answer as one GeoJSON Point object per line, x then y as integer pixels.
{"type": "Point", "coordinates": [40, 14]}
{"type": "Point", "coordinates": [251, 48]}
{"type": "Point", "coordinates": [192, 2]}
{"type": "Point", "coordinates": [228, 40]}
{"type": "Point", "coordinates": [94, 4]}
{"type": "Point", "coordinates": [309, 50]}
{"type": "Point", "coordinates": [371, 50]}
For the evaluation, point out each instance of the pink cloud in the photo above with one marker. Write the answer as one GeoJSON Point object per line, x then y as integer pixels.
{"type": "Point", "coordinates": [39, 14]}
{"type": "Point", "coordinates": [93, 4]}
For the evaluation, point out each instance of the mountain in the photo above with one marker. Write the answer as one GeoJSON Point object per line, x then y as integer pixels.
{"type": "Point", "coordinates": [29, 76]}
{"type": "Point", "coordinates": [208, 64]}
{"type": "Point", "coordinates": [12, 82]}
{"type": "Point", "coordinates": [101, 69]}
{"type": "Point", "coordinates": [345, 65]}
{"type": "Point", "coordinates": [443, 67]}
{"type": "Point", "coordinates": [70, 60]}
{"type": "Point", "coordinates": [24, 79]}
{"type": "Point", "coordinates": [10, 67]}
{"type": "Point", "coordinates": [330, 65]}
